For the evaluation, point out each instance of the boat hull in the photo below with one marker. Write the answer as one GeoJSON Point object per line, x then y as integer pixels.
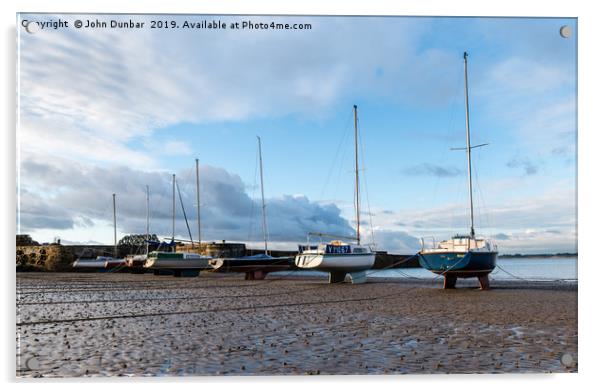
{"type": "Point", "coordinates": [88, 264]}
{"type": "Point", "coordinates": [251, 264]}
{"type": "Point", "coordinates": [177, 263]}
{"type": "Point", "coordinates": [172, 262]}
{"type": "Point", "coordinates": [115, 263]}
{"type": "Point", "coordinates": [335, 262]}
{"type": "Point", "coordinates": [459, 264]}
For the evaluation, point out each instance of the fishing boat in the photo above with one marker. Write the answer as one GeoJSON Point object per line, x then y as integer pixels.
{"type": "Point", "coordinates": [257, 266]}
{"type": "Point", "coordinates": [462, 256]}
{"type": "Point", "coordinates": [340, 258]}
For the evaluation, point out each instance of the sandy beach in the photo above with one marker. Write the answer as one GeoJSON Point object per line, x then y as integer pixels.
{"type": "Point", "coordinates": [117, 324]}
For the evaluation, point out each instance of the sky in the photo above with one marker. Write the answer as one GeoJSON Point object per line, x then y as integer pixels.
{"type": "Point", "coordinates": [105, 111]}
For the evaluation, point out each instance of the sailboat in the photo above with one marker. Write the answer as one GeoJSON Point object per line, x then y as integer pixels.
{"type": "Point", "coordinates": [115, 261]}
{"type": "Point", "coordinates": [340, 258]}
{"type": "Point", "coordinates": [257, 266]}
{"type": "Point", "coordinates": [462, 256]}
{"type": "Point", "coordinates": [135, 262]}
{"type": "Point", "coordinates": [179, 263]}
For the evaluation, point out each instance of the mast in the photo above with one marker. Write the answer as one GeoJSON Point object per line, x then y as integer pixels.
{"type": "Point", "coordinates": [357, 178]}
{"type": "Point", "coordinates": [184, 213]}
{"type": "Point", "coordinates": [114, 227]}
{"type": "Point", "coordinates": [468, 147]}
{"type": "Point", "coordinates": [147, 216]}
{"type": "Point", "coordinates": [265, 231]}
{"type": "Point", "coordinates": [198, 202]}
{"type": "Point", "coordinates": [173, 209]}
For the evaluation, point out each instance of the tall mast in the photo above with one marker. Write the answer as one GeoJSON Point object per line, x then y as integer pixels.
{"type": "Point", "coordinates": [184, 213]}
{"type": "Point", "coordinates": [114, 227]}
{"type": "Point", "coordinates": [468, 147]}
{"type": "Point", "coordinates": [173, 209]}
{"type": "Point", "coordinates": [147, 216]}
{"type": "Point", "coordinates": [357, 178]}
{"type": "Point", "coordinates": [265, 231]}
{"type": "Point", "coordinates": [198, 202]}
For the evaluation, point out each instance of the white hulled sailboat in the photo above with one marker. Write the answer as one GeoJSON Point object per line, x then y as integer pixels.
{"type": "Point", "coordinates": [337, 257]}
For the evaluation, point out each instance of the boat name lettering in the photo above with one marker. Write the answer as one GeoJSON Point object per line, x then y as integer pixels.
{"type": "Point", "coordinates": [331, 249]}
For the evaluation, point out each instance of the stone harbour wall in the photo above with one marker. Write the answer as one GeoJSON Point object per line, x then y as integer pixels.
{"type": "Point", "coordinates": [54, 258]}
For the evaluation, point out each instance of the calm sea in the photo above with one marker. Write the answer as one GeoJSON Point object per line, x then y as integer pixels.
{"type": "Point", "coordinates": [509, 269]}
{"type": "Point", "coordinates": [553, 268]}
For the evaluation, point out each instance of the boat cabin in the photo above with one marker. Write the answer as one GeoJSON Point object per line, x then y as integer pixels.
{"type": "Point", "coordinates": [463, 243]}
{"type": "Point", "coordinates": [168, 255]}
{"type": "Point", "coordinates": [334, 247]}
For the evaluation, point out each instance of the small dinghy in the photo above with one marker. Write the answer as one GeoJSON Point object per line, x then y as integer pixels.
{"type": "Point", "coordinates": [98, 263]}
{"type": "Point", "coordinates": [90, 263]}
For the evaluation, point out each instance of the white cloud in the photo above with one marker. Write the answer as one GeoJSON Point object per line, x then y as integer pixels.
{"type": "Point", "coordinates": [531, 223]}
{"type": "Point", "coordinates": [538, 242]}
{"type": "Point", "coordinates": [82, 200]}
{"type": "Point", "coordinates": [526, 76]}
{"type": "Point", "coordinates": [396, 241]}
{"type": "Point", "coordinates": [88, 93]}
{"type": "Point", "coordinates": [173, 148]}
{"type": "Point", "coordinates": [534, 102]}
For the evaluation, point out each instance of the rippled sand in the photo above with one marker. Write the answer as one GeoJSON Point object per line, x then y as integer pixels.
{"type": "Point", "coordinates": [114, 324]}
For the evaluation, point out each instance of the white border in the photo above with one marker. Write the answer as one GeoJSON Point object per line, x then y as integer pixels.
{"type": "Point", "coordinates": [588, 199]}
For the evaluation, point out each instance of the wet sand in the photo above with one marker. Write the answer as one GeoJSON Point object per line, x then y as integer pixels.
{"type": "Point", "coordinates": [116, 324]}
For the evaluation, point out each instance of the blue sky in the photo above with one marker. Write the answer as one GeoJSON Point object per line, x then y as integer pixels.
{"type": "Point", "coordinates": [129, 107]}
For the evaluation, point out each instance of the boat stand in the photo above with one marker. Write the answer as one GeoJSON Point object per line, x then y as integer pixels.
{"type": "Point", "coordinates": [449, 282]}
{"type": "Point", "coordinates": [484, 282]}
{"type": "Point", "coordinates": [358, 277]}
{"type": "Point", "coordinates": [336, 277]}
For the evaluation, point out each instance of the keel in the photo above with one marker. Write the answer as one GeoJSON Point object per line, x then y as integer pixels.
{"type": "Point", "coordinates": [449, 282]}
{"type": "Point", "coordinates": [255, 275]}
{"type": "Point", "coordinates": [484, 282]}
{"type": "Point", "coordinates": [336, 277]}
{"type": "Point", "coordinates": [186, 273]}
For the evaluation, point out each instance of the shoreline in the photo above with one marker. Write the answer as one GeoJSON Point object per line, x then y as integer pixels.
{"type": "Point", "coordinates": [77, 324]}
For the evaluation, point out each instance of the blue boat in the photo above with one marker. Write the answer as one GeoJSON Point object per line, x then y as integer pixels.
{"type": "Point", "coordinates": [462, 256]}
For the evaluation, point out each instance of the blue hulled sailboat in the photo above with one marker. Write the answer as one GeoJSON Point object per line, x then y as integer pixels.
{"type": "Point", "coordinates": [462, 256]}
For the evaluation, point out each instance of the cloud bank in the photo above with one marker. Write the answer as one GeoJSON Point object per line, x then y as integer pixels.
{"type": "Point", "coordinates": [63, 196]}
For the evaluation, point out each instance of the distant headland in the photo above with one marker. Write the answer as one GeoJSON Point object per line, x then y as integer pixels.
{"type": "Point", "coordinates": [556, 255]}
